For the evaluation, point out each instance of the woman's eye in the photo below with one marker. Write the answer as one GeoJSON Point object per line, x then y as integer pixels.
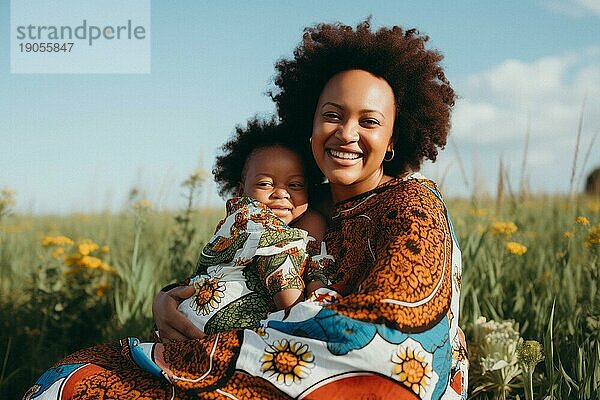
{"type": "Point", "coordinates": [330, 115]}
{"type": "Point", "coordinates": [369, 122]}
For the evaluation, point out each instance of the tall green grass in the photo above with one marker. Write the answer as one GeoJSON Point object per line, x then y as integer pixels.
{"type": "Point", "coordinates": [46, 314]}
{"type": "Point", "coordinates": [551, 291]}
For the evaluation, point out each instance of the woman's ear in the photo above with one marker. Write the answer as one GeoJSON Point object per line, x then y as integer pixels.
{"type": "Point", "coordinates": [391, 145]}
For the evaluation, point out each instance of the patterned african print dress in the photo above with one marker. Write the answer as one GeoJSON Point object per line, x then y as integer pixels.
{"type": "Point", "coordinates": [393, 334]}
{"type": "Point", "coordinates": [252, 256]}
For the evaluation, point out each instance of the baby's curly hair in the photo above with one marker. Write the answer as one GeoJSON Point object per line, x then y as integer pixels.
{"type": "Point", "coordinates": [258, 134]}
{"type": "Point", "coordinates": [422, 93]}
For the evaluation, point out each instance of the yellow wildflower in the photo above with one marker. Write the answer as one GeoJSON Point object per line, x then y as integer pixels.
{"type": "Point", "coordinates": [144, 204]}
{"type": "Point", "coordinates": [72, 259]}
{"type": "Point", "coordinates": [86, 247]}
{"type": "Point", "coordinates": [101, 289]}
{"type": "Point", "coordinates": [90, 262]}
{"type": "Point", "coordinates": [56, 241]}
{"type": "Point", "coordinates": [516, 248]}
{"type": "Point", "coordinates": [62, 241]}
{"type": "Point", "coordinates": [58, 253]}
{"type": "Point", "coordinates": [107, 268]}
{"type": "Point", "coordinates": [593, 237]}
{"type": "Point", "coordinates": [568, 234]}
{"type": "Point", "coordinates": [581, 220]}
{"type": "Point", "coordinates": [503, 228]}
{"type": "Point", "coordinates": [594, 207]}
{"type": "Point", "coordinates": [478, 212]}
{"type": "Point", "coordinates": [105, 249]}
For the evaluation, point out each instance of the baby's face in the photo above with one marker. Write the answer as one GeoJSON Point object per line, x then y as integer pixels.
{"type": "Point", "coordinates": [275, 176]}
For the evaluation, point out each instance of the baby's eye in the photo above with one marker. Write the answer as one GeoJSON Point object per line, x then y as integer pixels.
{"type": "Point", "coordinates": [297, 185]}
{"type": "Point", "coordinates": [264, 184]}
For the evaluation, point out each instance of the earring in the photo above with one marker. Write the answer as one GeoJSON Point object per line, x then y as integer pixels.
{"type": "Point", "coordinates": [310, 140]}
{"type": "Point", "coordinates": [390, 157]}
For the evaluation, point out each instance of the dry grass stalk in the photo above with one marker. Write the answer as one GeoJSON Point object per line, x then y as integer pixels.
{"type": "Point", "coordinates": [577, 142]}
{"type": "Point", "coordinates": [461, 164]}
{"type": "Point", "coordinates": [586, 157]}
{"type": "Point", "coordinates": [522, 191]}
{"type": "Point", "coordinates": [500, 186]}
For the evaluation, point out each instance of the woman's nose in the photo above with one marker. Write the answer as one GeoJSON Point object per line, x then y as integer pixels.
{"type": "Point", "coordinates": [347, 133]}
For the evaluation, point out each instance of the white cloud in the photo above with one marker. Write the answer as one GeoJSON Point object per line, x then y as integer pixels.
{"type": "Point", "coordinates": [574, 8]}
{"type": "Point", "coordinates": [498, 106]}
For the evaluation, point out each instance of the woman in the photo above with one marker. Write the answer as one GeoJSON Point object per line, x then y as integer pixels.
{"type": "Point", "coordinates": [375, 104]}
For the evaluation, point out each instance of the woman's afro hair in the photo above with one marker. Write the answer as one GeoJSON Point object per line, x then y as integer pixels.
{"type": "Point", "coordinates": [422, 93]}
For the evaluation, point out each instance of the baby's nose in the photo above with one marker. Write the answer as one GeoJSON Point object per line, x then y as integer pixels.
{"type": "Point", "coordinates": [281, 192]}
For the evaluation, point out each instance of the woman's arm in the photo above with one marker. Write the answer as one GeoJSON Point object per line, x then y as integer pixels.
{"type": "Point", "coordinates": [170, 322]}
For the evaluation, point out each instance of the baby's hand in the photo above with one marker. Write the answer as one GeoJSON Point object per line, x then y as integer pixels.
{"type": "Point", "coordinates": [322, 294]}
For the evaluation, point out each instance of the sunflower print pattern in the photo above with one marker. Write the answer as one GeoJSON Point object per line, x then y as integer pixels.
{"type": "Point", "coordinates": [392, 333]}
{"type": "Point", "coordinates": [288, 361]}
{"type": "Point", "coordinates": [208, 294]}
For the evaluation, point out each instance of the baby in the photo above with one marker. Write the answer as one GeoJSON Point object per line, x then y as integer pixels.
{"type": "Point", "coordinates": [255, 261]}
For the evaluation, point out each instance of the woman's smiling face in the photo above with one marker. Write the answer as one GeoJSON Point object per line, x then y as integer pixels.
{"type": "Point", "coordinates": [352, 130]}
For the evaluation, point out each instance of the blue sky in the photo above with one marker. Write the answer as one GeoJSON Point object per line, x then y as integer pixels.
{"type": "Point", "coordinates": [80, 142]}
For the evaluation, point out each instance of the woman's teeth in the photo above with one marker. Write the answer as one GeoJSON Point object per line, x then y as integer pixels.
{"type": "Point", "coordinates": [344, 155]}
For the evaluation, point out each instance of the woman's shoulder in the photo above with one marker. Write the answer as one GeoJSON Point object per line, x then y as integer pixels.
{"type": "Point", "coordinates": [415, 200]}
{"type": "Point", "coordinates": [399, 190]}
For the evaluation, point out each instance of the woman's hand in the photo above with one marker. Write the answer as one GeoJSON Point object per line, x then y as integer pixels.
{"type": "Point", "coordinates": [171, 323]}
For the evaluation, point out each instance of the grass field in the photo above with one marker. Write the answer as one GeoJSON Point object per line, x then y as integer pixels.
{"type": "Point", "coordinates": [530, 272]}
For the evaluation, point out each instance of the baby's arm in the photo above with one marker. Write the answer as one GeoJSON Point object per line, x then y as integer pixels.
{"type": "Point", "coordinates": [314, 223]}
{"type": "Point", "coordinates": [280, 259]}
{"type": "Point", "coordinates": [282, 275]}
{"type": "Point", "coordinates": [287, 298]}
